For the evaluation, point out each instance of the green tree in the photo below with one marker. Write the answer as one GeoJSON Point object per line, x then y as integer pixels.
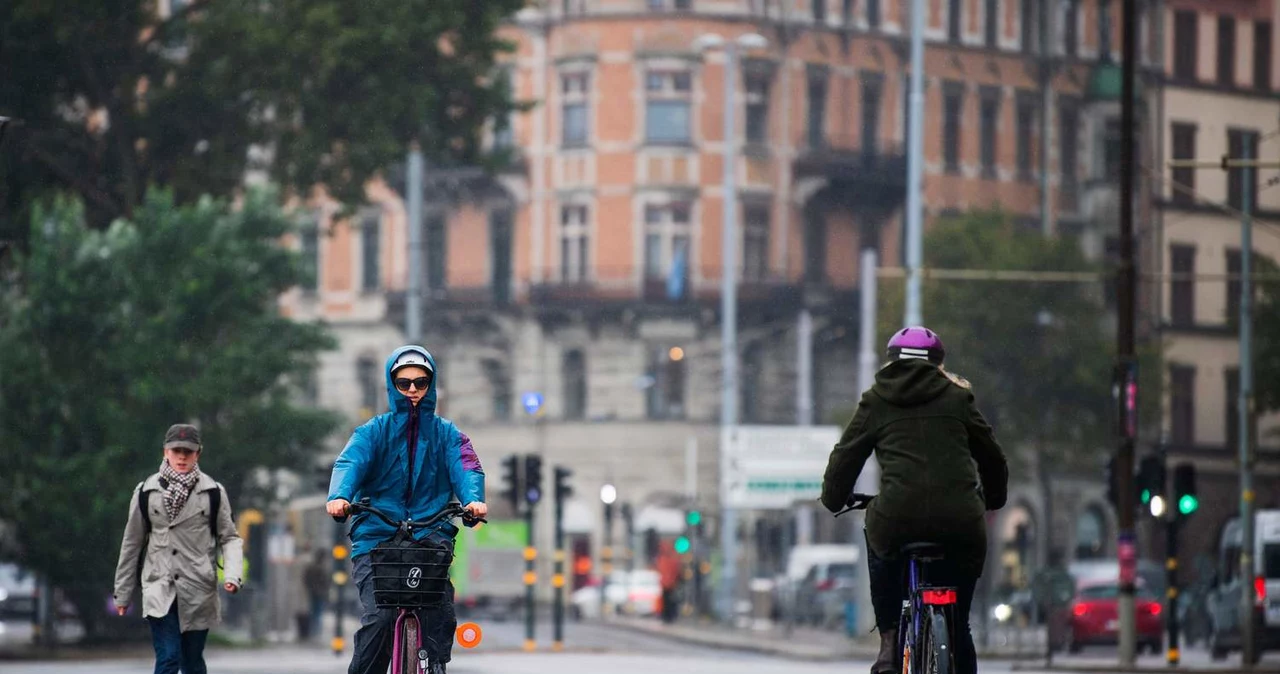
{"type": "Point", "coordinates": [1266, 331]}
{"type": "Point", "coordinates": [110, 336]}
{"type": "Point", "coordinates": [112, 99]}
{"type": "Point", "coordinates": [1039, 354]}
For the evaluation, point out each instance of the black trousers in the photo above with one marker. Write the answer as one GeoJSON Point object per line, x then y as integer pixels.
{"type": "Point", "coordinates": [373, 640]}
{"type": "Point", "coordinates": [889, 579]}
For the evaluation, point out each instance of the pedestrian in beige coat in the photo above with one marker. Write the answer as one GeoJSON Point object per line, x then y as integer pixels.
{"type": "Point", "coordinates": [177, 554]}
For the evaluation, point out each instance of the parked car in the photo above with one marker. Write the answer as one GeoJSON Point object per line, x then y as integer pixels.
{"type": "Point", "coordinates": [1095, 618]}
{"type": "Point", "coordinates": [632, 593]}
{"type": "Point", "coordinates": [818, 580]}
{"type": "Point", "coordinates": [822, 594]}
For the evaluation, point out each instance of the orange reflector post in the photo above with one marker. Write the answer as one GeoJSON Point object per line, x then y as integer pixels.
{"type": "Point", "coordinates": [469, 635]}
{"type": "Point", "coordinates": [530, 577]}
{"type": "Point", "coordinates": [530, 554]}
{"type": "Point", "coordinates": [337, 644]}
{"type": "Point", "coordinates": [939, 597]}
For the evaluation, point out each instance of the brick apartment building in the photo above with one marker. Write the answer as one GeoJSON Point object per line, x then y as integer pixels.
{"type": "Point", "coordinates": [588, 270]}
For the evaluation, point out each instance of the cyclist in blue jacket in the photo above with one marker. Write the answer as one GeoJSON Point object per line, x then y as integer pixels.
{"type": "Point", "coordinates": [411, 463]}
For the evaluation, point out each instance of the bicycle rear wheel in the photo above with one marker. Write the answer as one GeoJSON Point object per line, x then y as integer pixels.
{"type": "Point", "coordinates": [936, 650]}
{"type": "Point", "coordinates": [411, 654]}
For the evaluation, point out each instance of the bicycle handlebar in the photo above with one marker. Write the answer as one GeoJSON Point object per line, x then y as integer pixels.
{"type": "Point", "coordinates": [856, 501]}
{"type": "Point", "coordinates": [450, 511]}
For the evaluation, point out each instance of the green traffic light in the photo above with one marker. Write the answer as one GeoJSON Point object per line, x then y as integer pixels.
{"type": "Point", "coordinates": [694, 518]}
{"type": "Point", "coordinates": [1146, 496]}
{"type": "Point", "coordinates": [1188, 504]}
{"type": "Point", "coordinates": [682, 545]}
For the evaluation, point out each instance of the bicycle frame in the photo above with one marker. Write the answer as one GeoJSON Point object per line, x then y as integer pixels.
{"type": "Point", "coordinates": [920, 596]}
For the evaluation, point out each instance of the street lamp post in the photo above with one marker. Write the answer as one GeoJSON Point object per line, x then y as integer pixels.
{"type": "Point", "coordinates": [728, 295]}
{"type": "Point", "coordinates": [608, 496]}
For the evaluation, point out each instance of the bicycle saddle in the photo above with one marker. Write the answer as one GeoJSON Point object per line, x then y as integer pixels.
{"type": "Point", "coordinates": [922, 551]}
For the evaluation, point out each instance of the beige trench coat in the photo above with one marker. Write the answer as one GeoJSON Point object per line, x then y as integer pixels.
{"type": "Point", "coordinates": [179, 560]}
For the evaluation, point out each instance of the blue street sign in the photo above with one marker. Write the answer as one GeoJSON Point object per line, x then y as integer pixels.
{"type": "Point", "coordinates": [532, 402]}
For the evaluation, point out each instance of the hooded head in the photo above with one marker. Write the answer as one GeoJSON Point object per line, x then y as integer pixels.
{"type": "Point", "coordinates": [411, 356]}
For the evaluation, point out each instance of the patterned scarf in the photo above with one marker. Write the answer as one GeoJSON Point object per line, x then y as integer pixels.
{"type": "Point", "coordinates": [178, 488]}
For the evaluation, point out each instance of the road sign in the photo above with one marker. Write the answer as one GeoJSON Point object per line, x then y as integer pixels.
{"type": "Point", "coordinates": [532, 402]}
{"type": "Point", "coordinates": [773, 467]}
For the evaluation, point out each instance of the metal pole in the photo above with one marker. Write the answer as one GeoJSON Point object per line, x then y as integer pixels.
{"type": "Point", "coordinates": [1125, 381]}
{"type": "Point", "coordinates": [607, 553]}
{"type": "Point", "coordinates": [804, 367]}
{"type": "Point", "coordinates": [606, 558]}
{"type": "Point", "coordinates": [1248, 652]}
{"type": "Point", "coordinates": [869, 480]}
{"type": "Point", "coordinates": [413, 297]}
{"type": "Point", "coordinates": [915, 165]}
{"type": "Point", "coordinates": [557, 580]}
{"type": "Point", "coordinates": [341, 578]}
{"type": "Point", "coordinates": [1046, 113]}
{"type": "Point", "coordinates": [729, 327]}
{"type": "Point", "coordinates": [530, 580]}
{"type": "Point", "coordinates": [1171, 581]}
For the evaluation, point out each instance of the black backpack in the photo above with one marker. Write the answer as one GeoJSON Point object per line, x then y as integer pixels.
{"type": "Point", "coordinates": [215, 505]}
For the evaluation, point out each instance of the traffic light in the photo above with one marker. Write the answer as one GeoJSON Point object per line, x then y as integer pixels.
{"type": "Point", "coordinates": [1184, 488]}
{"type": "Point", "coordinates": [563, 489]}
{"type": "Point", "coordinates": [511, 481]}
{"type": "Point", "coordinates": [694, 518]}
{"type": "Point", "coordinates": [533, 478]}
{"type": "Point", "coordinates": [682, 545]}
{"type": "Point", "coordinates": [1151, 478]}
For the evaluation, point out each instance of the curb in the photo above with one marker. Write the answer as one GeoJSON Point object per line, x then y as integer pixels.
{"type": "Point", "coordinates": [1115, 668]}
{"type": "Point", "coordinates": [817, 654]}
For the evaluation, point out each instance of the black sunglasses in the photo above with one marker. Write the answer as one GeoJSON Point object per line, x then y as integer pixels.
{"type": "Point", "coordinates": [404, 383]}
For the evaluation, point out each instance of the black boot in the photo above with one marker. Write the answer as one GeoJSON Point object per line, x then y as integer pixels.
{"type": "Point", "coordinates": [887, 661]}
{"type": "Point", "coordinates": [435, 668]}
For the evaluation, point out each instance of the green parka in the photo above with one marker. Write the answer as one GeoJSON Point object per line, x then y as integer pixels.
{"type": "Point", "coordinates": [941, 467]}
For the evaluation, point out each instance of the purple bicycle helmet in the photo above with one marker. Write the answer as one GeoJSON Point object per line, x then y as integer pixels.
{"type": "Point", "coordinates": [917, 342]}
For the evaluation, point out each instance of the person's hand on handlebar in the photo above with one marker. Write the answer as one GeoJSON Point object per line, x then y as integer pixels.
{"type": "Point", "coordinates": [476, 509]}
{"type": "Point", "coordinates": [338, 507]}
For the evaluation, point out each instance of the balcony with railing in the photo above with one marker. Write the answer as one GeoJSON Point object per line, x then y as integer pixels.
{"type": "Point", "coordinates": [871, 168]}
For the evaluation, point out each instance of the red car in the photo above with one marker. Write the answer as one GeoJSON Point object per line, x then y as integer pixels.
{"type": "Point", "coordinates": [1094, 618]}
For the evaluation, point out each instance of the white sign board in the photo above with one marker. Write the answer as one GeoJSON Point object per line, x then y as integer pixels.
{"type": "Point", "coordinates": [773, 467]}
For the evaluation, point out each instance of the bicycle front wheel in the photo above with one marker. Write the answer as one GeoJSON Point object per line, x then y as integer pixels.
{"type": "Point", "coordinates": [411, 655]}
{"type": "Point", "coordinates": [936, 650]}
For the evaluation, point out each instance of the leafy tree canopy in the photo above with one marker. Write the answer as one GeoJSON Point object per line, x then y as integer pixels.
{"type": "Point", "coordinates": [113, 99]}
{"type": "Point", "coordinates": [110, 336]}
{"type": "Point", "coordinates": [1039, 354]}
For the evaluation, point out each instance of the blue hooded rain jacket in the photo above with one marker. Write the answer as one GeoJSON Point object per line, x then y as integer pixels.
{"type": "Point", "coordinates": [375, 463]}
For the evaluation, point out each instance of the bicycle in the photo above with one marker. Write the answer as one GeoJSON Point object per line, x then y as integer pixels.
{"type": "Point", "coordinates": [924, 632]}
{"type": "Point", "coordinates": [423, 570]}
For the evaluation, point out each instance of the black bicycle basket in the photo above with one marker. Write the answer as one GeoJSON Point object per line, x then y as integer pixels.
{"type": "Point", "coordinates": [410, 574]}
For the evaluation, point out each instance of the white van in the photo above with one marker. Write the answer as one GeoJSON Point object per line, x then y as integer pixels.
{"type": "Point", "coordinates": [1263, 583]}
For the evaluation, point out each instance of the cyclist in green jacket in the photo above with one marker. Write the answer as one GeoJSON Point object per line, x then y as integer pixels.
{"type": "Point", "coordinates": [941, 470]}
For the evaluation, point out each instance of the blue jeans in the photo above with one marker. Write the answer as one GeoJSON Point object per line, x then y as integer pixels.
{"type": "Point", "coordinates": [177, 650]}
{"type": "Point", "coordinates": [373, 640]}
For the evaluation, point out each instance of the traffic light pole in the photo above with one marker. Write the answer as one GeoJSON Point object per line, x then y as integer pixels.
{"type": "Point", "coordinates": [557, 580]}
{"type": "Point", "coordinates": [1126, 367]}
{"type": "Point", "coordinates": [1172, 655]}
{"type": "Point", "coordinates": [530, 580]}
{"type": "Point", "coordinates": [340, 578]}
